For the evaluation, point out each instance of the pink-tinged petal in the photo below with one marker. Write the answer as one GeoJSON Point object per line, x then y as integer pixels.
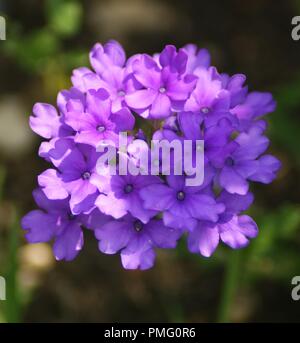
{"type": "Point", "coordinates": [113, 236]}
{"type": "Point", "coordinates": [69, 243]}
{"type": "Point", "coordinates": [89, 137]}
{"type": "Point", "coordinates": [180, 89]}
{"type": "Point", "coordinates": [180, 62]}
{"type": "Point", "coordinates": [114, 77]}
{"type": "Point", "coordinates": [123, 119]}
{"type": "Point", "coordinates": [52, 185]}
{"type": "Point", "coordinates": [110, 205]}
{"type": "Point", "coordinates": [146, 72]}
{"type": "Point", "coordinates": [80, 121]}
{"type": "Point", "coordinates": [103, 181]}
{"type": "Point", "coordinates": [98, 60]}
{"type": "Point", "coordinates": [161, 107]}
{"type": "Point", "coordinates": [40, 226]}
{"type": "Point", "coordinates": [232, 181]}
{"type": "Point", "coordinates": [45, 120]}
{"type": "Point", "coordinates": [116, 53]}
{"type": "Point", "coordinates": [103, 57]}
{"type": "Point", "coordinates": [200, 59]}
{"type": "Point", "coordinates": [75, 105]}
{"type": "Point", "coordinates": [93, 81]}
{"type": "Point", "coordinates": [142, 259]}
{"type": "Point", "coordinates": [77, 78]}
{"type": "Point", "coordinates": [192, 105]}
{"type": "Point", "coordinates": [157, 197]}
{"type": "Point", "coordinates": [204, 239]}
{"type": "Point", "coordinates": [65, 96]}
{"type": "Point", "coordinates": [141, 98]}
{"type": "Point", "coordinates": [98, 104]}
{"type": "Point", "coordinates": [117, 104]}
{"type": "Point", "coordinates": [167, 55]}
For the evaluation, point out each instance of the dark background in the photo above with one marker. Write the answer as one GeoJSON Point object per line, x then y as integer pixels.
{"type": "Point", "coordinates": [45, 41]}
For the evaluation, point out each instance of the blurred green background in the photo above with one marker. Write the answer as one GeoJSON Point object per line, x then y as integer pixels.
{"type": "Point", "coordinates": [45, 41]}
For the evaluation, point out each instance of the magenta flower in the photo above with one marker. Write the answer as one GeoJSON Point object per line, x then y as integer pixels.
{"type": "Point", "coordinates": [163, 87]}
{"type": "Point", "coordinates": [98, 122]}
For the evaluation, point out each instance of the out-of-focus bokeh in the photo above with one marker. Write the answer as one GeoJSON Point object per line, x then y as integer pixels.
{"type": "Point", "coordinates": [45, 41]}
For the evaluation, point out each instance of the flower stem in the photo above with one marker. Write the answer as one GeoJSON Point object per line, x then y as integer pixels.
{"type": "Point", "coordinates": [232, 274]}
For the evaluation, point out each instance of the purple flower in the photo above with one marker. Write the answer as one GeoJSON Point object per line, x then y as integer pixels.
{"type": "Point", "coordinates": [217, 138]}
{"type": "Point", "coordinates": [136, 240]}
{"type": "Point", "coordinates": [120, 195]}
{"type": "Point", "coordinates": [112, 74]}
{"type": "Point", "coordinates": [233, 229]}
{"type": "Point", "coordinates": [72, 177]}
{"type": "Point", "coordinates": [54, 220]}
{"type": "Point", "coordinates": [181, 205]}
{"type": "Point", "coordinates": [98, 122]}
{"type": "Point", "coordinates": [244, 163]}
{"type": "Point", "coordinates": [196, 58]}
{"type": "Point", "coordinates": [46, 122]}
{"type": "Point", "coordinates": [180, 97]}
{"type": "Point", "coordinates": [255, 106]}
{"type": "Point", "coordinates": [163, 88]}
{"type": "Point", "coordinates": [208, 95]}
{"type": "Point", "coordinates": [104, 57]}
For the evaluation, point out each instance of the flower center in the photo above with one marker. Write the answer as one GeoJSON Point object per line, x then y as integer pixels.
{"type": "Point", "coordinates": [229, 162]}
{"type": "Point", "coordinates": [205, 110]}
{"type": "Point", "coordinates": [138, 226]}
{"type": "Point", "coordinates": [121, 93]}
{"type": "Point", "coordinates": [86, 175]}
{"type": "Point", "coordinates": [180, 195]}
{"type": "Point", "coordinates": [100, 128]}
{"type": "Point", "coordinates": [128, 188]}
{"type": "Point", "coordinates": [162, 89]}
{"type": "Point", "coordinates": [71, 216]}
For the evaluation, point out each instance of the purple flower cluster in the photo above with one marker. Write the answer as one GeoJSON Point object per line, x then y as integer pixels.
{"type": "Point", "coordinates": [183, 97]}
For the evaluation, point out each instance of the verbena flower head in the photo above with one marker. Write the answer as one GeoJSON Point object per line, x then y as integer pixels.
{"type": "Point", "coordinates": [173, 96]}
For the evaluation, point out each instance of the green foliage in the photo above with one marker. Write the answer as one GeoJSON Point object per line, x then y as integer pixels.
{"type": "Point", "coordinates": [64, 17]}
